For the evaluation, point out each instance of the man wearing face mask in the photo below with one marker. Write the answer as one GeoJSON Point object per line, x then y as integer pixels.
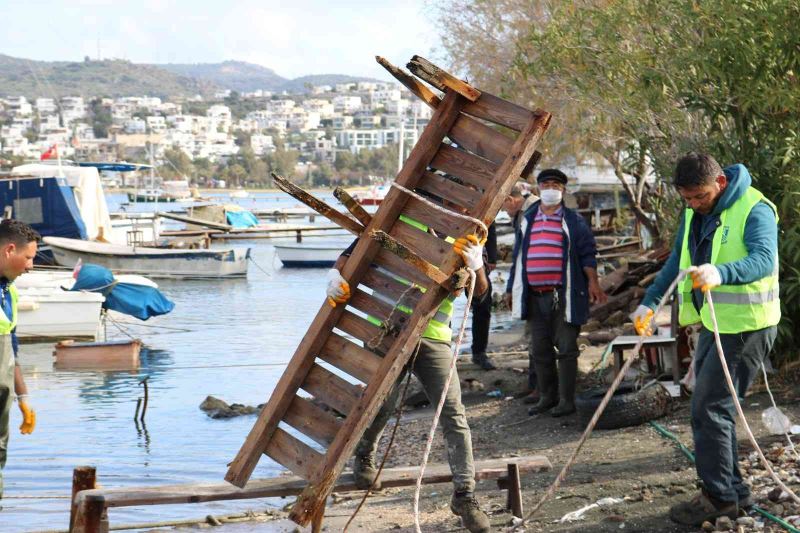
{"type": "Point", "coordinates": [553, 278]}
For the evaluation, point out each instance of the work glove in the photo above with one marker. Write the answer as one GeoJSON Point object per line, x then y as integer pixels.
{"type": "Point", "coordinates": [28, 415]}
{"type": "Point", "coordinates": [705, 277]}
{"type": "Point", "coordinates": [471, 250]}
{"type": "Point", "coordinates": [642, 320]}
{"type": "Point", "coordinates": [338, 290]}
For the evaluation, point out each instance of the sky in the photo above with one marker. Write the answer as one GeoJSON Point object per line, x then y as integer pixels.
{"type": "Point", "coordinates": [292, 37]}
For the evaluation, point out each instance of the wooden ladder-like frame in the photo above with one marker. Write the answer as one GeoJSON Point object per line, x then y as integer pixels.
{"type": "Point", "coordinates": [485, 162]}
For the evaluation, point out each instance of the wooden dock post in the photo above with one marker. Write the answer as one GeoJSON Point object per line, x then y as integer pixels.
{"type": "Point", "coordinates": [83, 478]}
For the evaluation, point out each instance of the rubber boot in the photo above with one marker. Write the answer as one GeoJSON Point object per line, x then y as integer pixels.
{"type": "Point", "coordinates": [465, 505]}
{"type": "Point", "coordinates": [547, 379]}
{"type": "Point", "coordinates": [483, 361]}
{"type": "Point", "coordinates": [364, 471]}
{"type": "Point", "coordinates": [567, 374]}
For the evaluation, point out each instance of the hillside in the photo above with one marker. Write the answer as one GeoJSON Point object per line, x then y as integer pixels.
{"type": "Point", "coordinates": [93, 78]}
{"type": "Point", "coordinates": [235, 75]}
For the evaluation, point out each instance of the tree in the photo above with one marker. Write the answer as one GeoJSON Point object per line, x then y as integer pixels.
{"type": "Point", "coordinates": [176, 164]}
{"type": "Point", "coordinates": [99, 118]}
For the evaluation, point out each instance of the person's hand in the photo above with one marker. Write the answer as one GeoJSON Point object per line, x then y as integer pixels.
{"type": "Point", "coordinates": [705, 277]}
{"type": "Point", "coordinates": [508, 298]}
{"type": "Point", "coordinates": [28, 416]}
{"type": "Point", "coordinates": [338, 290]}
{"type": "Point", "coordinates": [490, 267]}
{"type": "Point", "coordinates": [471, 250]}
{"type": "Point", "coordinates": [596, 294]}
{"type": "Point", "coordinates": [642, 320]}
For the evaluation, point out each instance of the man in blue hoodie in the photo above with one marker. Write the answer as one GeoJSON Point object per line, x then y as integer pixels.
{"type": "Point", "coordinates": [728, 239]}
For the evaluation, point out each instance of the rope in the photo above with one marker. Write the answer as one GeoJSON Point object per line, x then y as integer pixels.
{"type": "Point", "coordinates": [600, 408]}
{"type": "Point", "coordinates": [387, 326]}
{"type": "Point", "coordinates": [738, 405]}
{"type": "Point", "coordinates": [432, 432]}
{"type": "Point", "coordinates": [772, 400]}
{"type": "Point", "coordinates": [269, 274]}
{"type": "Point", "coordinates": [441, 209]}
{"type": "Point", "coordinates": [398, 416]}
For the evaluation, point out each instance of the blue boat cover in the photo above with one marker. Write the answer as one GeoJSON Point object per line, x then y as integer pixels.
{"type": "Point", "coordinates": [241, 219]}
{"type": "Point", "coordinates": [140, 301]}
{"type": "Point", "coordinates": [47, 204]}
{"type": "Point", "coordinates": [114, 167]}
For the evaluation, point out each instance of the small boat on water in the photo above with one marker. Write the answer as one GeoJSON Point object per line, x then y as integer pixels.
{"type": "Point", "coordinates": [152, 262]}
{"type": "Point", "coordinates": [374, 195]}
{"type": "Point", "coordinates": [51, 313]}
{"type": "Point", "coordinates": [302, 255]}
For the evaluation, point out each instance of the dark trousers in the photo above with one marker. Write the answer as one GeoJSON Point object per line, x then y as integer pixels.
{"type": "Point", "coordinates": [551, 337]}
{"type": "Point", "coordinates": [713, 412]}
{"type": "Point", "coordinates": [481, 317]}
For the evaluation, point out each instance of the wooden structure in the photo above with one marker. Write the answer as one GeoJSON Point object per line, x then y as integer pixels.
{"type": "Point", "coordinates": [108, 355]}
{"type": "Point", "coordinates": [90, 504]}
{"type": "Point", "coordinates": [459, 157]}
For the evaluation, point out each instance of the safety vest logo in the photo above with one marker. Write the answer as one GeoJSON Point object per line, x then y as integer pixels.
{"type": "Point", "coordinates": [725, 230]}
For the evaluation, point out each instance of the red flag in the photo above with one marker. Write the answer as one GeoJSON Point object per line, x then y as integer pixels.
{"type": "Point", "coordinates": [51, 153]}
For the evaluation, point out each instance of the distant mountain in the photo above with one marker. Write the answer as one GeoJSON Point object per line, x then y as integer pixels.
{"type": "Point", "coordinates": [113, 77]}
{"type": "Point", "coordinates": [116, 77]}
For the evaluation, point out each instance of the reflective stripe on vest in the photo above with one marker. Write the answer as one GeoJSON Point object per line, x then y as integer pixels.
{"type": "Point", "coordinates": [438, 328]}
{"type": "Point", "coordinates": [739, 308]}
{"type": "Point", "coordinates": [6, 326]}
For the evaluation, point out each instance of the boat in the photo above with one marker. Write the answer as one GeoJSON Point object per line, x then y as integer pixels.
{"type": "Point", "coordinates": [302, 255]}
{"type": "Point", "coordinates": [149, 195]}
{"type": "Point", "coordinates": [107, 355]}
{"type": "Point", "coordinates": [152, 262]}
{"type": "Point", "coordinates": [374, 195]}
{"type": "Point", "coordinates": [239, 193]}
{"type": "Point", "coordinates": [51, 313]}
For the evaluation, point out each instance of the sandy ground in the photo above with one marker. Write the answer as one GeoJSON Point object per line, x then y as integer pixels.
{"type": "Point", "coordinates": [634, 463]}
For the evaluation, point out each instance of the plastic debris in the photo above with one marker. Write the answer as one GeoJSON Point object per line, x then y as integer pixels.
{"type": "Point", "coordinates": [574, 516]}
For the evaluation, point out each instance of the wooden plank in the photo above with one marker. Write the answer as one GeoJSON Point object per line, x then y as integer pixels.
{"type": "Point", "coordinates": [499, 111]}
{"type": "Point", "coordinates": [441, 223]}
{"type": "Point", "coordinates": [471, 169]}
{"type": "Point", "coordinates": [481, 139]}
{"type": "Point", "coordinates": [294, 454]}
{"type": "Point", "coordinates": [360, 363]}
{"type": "Point", "coordinates": [412, 84]}
{"type": "Point", "coordinates": [365, 331]}
{"type": "Point", "coordinates": [312, 421]}
{"type": "Point", "coordinates": [354, 207]}
{"type": "Point", "coordinates": [195, 221]}
{"type": "Point", "coordinates": [293, 485]}
{"type": "Point", "coordinates": [331, 390]}
{"type": "Point", "coordinates": [441, 79]}
{"type": "Point", "coordinates": [399, 268]}
{"type": "Point", "coordinates": [389, 286]}
{"type": "Point", "coordinates": [369, 304]}
{"type": "Point", "coordinates": [317, 205]}
{"type": "Point", "coordinates": [430, 248]}
{"type": "Point", "coordinates": [409, 256]}
{"type": "Point", "coordinates": [445, 188]}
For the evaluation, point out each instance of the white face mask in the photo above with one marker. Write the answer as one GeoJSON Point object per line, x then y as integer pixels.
{"type": "Point", "coordinates": [550, 196]}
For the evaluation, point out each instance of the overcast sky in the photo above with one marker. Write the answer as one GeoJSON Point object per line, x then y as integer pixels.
{"type": "Point", "coordinates": [293, 37]}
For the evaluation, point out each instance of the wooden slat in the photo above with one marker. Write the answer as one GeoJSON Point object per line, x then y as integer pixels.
{"type": "Point", "coordinates": [445, 188]}
{"type": "Point", "coordinates": [331, 390]}
{"type": "Point", "coordinates": [389, 286]}
{"type": "Point", "coordinates": [364, 331]}
{"type": "Point", "coordinates": [388, 261]}
{"type": "Point", "coordinates": [312, 421]}
{"type": "Point", "coordinates": [430, 248]}
{"type": "Point", "coordinates": [369, 304]}
{"type": "Point", "coordinates": [490, 107]}
{"type": "Point", "coordinates": [359, 362]}
{"type": "Point", "coordinates": [472, 170]}
{"type": "Point", "coordinates": [317, 205]}
{"type": "Point", "coordinates": [353, 206]}
{"type": "Point", "coordinates": [413, 84]}
{"type": "Point", "coordinates": [441, 223]}
{"type": "Point", "coordinates": [410, 256]}
{"type": "Point", "coordinates": [481, 139]}
{"type": "Point", "coordinates": [295, 455]}
{"type": "Point", "coordinates": [441, 79]}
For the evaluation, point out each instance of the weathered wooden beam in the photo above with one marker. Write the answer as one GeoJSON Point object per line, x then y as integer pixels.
{"type": "Point", "coordinates": [441, 79]}
{"type": "Point", "coordinates": [353, 206]}
{"type": "Point", "coordinates": [317, 205]}
{"type": "Point", "coordinates": [419, 89]}
{"type": "Point", "coordinates": [406, 254]}
{"type": "Point", "coordinates": [83, 478]}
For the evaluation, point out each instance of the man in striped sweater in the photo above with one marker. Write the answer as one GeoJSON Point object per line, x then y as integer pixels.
{"type": "Point", "coordinates": [553, 279]}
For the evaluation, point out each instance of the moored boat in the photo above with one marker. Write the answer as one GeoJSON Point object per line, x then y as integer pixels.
{"type": "Point", "coordinates": [302, 255]}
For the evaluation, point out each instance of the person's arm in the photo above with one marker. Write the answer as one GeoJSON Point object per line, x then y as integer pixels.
{"type": "Point", "coordinates": [596, 294]}
{"type": "Point", "coordinates": [491, 248]}
{"type": "Point", "coordinates": [19, 382]}
{"type": "Point", "coordinates": [761, 240]}
{"type": "Point", "coordinates": [587, 256]}
{"type": "Point", "coordinates": [517, 245]}
{"type": "Point", "coordinates": [655, 292]}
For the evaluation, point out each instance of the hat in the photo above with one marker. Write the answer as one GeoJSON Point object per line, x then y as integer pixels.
{"type": "Point", "coordinates": [552, 174]}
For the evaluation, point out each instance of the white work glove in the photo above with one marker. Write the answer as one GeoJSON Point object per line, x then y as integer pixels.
{"type": "Point", "coordinates": [338, 290]}
{"type": "Point", "coordinates": [642, 320]}
{"type": "Point", "coordinates": [471, 250]}
{"type": "Point", "coordinates": [705, 277]}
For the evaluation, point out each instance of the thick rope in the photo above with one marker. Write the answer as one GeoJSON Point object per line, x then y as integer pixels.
{"type": "Point", "coordinates": [387, 326]}
{"type": "Point", "coordinates": [437, 414]}
{"type": "Point", "coordinates": [600, 408]}
{"type": "Point", "coordinates": [735, 396]}
{"type": "Point", "coordinates": [432, 205]}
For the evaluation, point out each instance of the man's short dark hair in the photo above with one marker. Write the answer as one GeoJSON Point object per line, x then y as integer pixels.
{"type": "Point", "coordinates": [552, 174]}
{"type": "Point", "coordinates": [696, 169]}
{"type": "Point", "coordinates": [17, 232]}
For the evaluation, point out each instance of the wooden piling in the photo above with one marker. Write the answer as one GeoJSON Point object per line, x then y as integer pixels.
{"type": "Point", "coordinates": [83, 478]}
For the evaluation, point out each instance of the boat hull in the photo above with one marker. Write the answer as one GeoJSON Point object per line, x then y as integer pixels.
{"type": "Point", "coordinates": [50, 314]}
{"type": "Point", "coordinates": [300, 256]}
{"type": "Point", "coordinates": [153, 262]}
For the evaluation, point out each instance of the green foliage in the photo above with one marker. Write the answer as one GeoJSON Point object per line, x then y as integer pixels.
{"type": "Point", "coordinates": [99, 118]}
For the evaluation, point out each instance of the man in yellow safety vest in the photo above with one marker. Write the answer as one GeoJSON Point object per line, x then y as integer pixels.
{"type": "Point", "coordinates": [17, 250]}
{"type": "Point", "coordinates": [728, 239]}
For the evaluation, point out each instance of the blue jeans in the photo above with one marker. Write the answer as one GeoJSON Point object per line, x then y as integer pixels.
{"type": "Point", "coordinates": [713, 412]}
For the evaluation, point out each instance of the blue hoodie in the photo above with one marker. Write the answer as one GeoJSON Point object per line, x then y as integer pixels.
{"type": "Point", "coordinates": [760, 238]}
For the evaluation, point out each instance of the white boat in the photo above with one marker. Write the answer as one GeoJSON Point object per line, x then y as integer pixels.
{"type": "Point", "coordinates": [239, 193]}
{"type": "Point", "coordinates": [302, 255]}
{"type": "Point", "coordinates": [152, 262]}
{"type": "Point", "coordinates": [46, 312]}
